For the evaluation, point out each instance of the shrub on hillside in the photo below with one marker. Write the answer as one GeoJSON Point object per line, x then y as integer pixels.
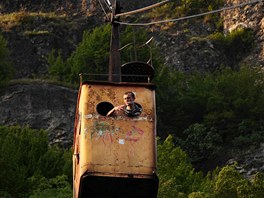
{"type": "Point", "coordinates": [25, 155]}
{"type": "Point", "coordinates": [178, 178]}
{"type": "Point", "coordinates": [234, 45]}
{"type": "Point", "coordinates": [215, 110]}
{"type": "Point", "coordinates": [6, 70]}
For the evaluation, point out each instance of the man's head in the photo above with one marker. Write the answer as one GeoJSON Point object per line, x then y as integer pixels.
{"type": "Point", "coordinates": [129, 98]}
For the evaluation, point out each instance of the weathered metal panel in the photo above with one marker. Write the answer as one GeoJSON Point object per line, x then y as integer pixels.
{"type": "Point", "coordinates": [117, 144]}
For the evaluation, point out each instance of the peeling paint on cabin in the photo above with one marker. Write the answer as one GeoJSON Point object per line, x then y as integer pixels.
{"type": "Point", "coordinates": [85, 132]}
{"type": "Point", "coordinates": [88, 116]}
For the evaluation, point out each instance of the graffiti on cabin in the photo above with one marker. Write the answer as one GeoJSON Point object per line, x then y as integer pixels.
{"type": "Point", "coordinates": [105, 132]}
{"type": "Point", "coordinates": [134, 134]}
{"type": "Point", "coordinates": [102, 131]}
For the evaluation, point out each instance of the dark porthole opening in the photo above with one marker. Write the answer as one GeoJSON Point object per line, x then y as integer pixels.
{"type": "Point", "coordinates": [104, 107]}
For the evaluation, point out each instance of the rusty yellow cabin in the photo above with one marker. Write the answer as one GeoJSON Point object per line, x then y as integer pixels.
{"type": "Point", "coordinates": [114, 156]}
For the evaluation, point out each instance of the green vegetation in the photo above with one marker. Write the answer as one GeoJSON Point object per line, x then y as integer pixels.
{"type": "Point", "coordinates": [211, 112]}
{"type": "Point", "coordinates": [176, 174]}
{"type": "Point", "coordinates": [179, 179]}
{"type": "Point", "coordinates": [177, 9]}
{"type": "Point", "coordinates": [8, 21]}
{"type": "Point", "coordinates": [32, 168]}
{"type": "Point", "coordinates": [185, 7]}
{"type": "Point", "coordinates": [92, 54]}
{"type": "Point", "coordinates": [199, 6]}
{"type": "Point", "coordinates": [234, 45]}
{"type": "Point", "coordinates": [6, 70]}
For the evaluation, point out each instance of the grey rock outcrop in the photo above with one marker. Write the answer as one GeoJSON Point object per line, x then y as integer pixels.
{"type": "Point", "coordinates": [40, 106]}
{"type": "Point", "coordinates": [30, 44]}
{"type": "Point", "coordinates": [250, 16]}
{"type": "Point", "coordinates": [249, 163]}
{"type": "Point", "coordinates": [185, 54]}
{"type": "Point", "coordinates": [190, 55]}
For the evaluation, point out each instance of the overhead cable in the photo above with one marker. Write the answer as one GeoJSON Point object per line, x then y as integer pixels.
{"type": "Point", "coordinates": [192, 16]}
{"type": "Point", "coordinates": [108, 4]}
{"type": "Point", "coordinates": [143, 9]}
{"type": "Point", "coordinates": [102, 8]}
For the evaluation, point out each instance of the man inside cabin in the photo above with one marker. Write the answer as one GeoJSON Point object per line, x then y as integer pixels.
{"type": "Point", "coordinates": [130, 108]}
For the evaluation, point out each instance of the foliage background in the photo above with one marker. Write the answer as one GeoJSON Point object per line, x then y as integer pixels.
{"type": "Point", "coordinates": [200, 116]}
{"type": "Point", "coordinates": [35, 169]}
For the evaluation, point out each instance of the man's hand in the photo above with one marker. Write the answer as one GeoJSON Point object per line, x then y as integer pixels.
{"type": "Point", "coordinates": [119, 108]}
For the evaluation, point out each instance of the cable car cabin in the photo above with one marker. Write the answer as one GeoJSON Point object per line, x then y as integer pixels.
{"type": "Point", "coordinates": [115, 156]}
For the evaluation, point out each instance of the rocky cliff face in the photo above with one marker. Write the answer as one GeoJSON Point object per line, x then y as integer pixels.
{"type": "Point", "coordinates": [182, 51]}
{"type": "Point", "coordinates": [186, 54]}
{"type": "Point", "coordinates": [40, 106]}
{"type": "Point", "coordinates": [249, 16]}
{"type": "Point", "coordinates": [31, 41]}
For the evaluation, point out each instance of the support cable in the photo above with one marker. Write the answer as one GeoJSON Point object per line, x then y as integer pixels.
{"type": "Point", "coordinates": [143, 9]}
{"type": "Point", "coordinates": [99, 1]}
{"type": "Point", "coordinates": [108, 4]}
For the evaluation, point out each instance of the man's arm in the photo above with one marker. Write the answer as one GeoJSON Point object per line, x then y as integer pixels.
{"type": "Point", "coordinates": [117, 108]}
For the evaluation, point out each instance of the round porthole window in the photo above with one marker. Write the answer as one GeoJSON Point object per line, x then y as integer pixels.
{"type": "Point", "coordinates": [104, 107]}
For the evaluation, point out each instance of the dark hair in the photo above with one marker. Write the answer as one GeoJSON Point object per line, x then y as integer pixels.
{"type": "Point", "coordinates": [130, 92]}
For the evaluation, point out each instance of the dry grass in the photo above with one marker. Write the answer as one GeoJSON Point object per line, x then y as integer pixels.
{"type": "Point", "coordinates": [30, 33]}
{"type": "Point", "coordinates": [8, 21]}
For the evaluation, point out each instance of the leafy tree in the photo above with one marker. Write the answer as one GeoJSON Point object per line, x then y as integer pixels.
{"type": "Point", "coordinates": [57, 70]}
{"type": "Point", "coordinates": [234, 45]}
{"type": "Point", "coordinates": [201, 143]}
{"type": "Point", "coordinates": [198, 195]}
{"type": "Point", "coordinates": [170, 85]}
{"type": "Point", "coordinates": [6, 70]}
{"type": "Point", "coordinates": [92, 54]}
{"type": "Point", "coordinates": [227, 183]}
{"type": "Point", "coordinates": [236, 95]}
{"type": "Point", "coordinates": [19, 149]}
{"type": "Point", "coordinates": [25, 153]}
{"type": "Point", "coordinates": [257, 185]}
{"type": "Point", "coordinates": [177, 176]}
{"type": "Point", "coordinates": [54, 187]}
{"type": "Point", "coordinates": [227, 106]}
